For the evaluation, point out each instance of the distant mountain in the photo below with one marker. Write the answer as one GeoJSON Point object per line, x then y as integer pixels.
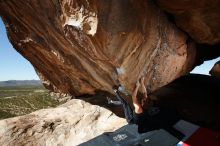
{"type": "Point", "coordinates": [20, 83]}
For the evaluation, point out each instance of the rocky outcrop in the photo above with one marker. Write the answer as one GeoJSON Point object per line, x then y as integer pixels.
{"type": "Point", "coordinates": [70, 124]}
{"type": "Point", "coordinates": [215, 71]}
{"type": "Point", "coordinates": [82, 46]}
{"type": "Point", "coordinates": [199, 18]}
{"type": "Point", "coordinates": [79, 47]}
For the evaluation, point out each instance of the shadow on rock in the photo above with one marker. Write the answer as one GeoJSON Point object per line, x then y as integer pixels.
{"type": "Point", "coordinates": [195, 97]}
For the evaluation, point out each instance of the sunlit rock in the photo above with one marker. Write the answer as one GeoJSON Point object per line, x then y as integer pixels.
{"type": "Point", "coordinates": [70, 124]}
{"type": "Point", "coordinates": [79, 47]}
{"type": "Point", "coordinates": [199, 18]}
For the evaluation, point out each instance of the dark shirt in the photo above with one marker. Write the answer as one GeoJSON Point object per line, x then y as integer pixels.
{"type": "Point", "coordinates": [164, 119]}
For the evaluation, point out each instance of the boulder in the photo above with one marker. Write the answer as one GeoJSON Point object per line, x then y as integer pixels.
{"type": "Point", "coordinates": [79, 47]}
{"type": "Point", "coordinates": [215, 71]}
{"type": "Point", "coordinates": [199, 18]}
{"type": "Point", "coordinates": [70, 124]}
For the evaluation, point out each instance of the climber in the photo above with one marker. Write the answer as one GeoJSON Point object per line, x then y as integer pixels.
{"type": "Point", "coordinates": [146, 119]}
{"type": "Point", "coordinates": [133, 117]}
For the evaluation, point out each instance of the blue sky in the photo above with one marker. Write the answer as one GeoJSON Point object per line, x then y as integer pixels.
{"type": "Point", "coordinates": [205, 67]}
{"type": "Point", "coordinates": [12, 65]}
{"type": "Point", "coordinates": [15, 67]}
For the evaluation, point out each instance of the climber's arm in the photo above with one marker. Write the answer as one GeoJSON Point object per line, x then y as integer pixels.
{"type": "Point", "coordinates": [137, 105]}
{"type": "Point", "coordinates": [144, 91]}
{"type": "Point", "coordinates": [143, 88]}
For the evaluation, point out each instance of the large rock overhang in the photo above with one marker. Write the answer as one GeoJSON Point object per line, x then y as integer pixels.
{"type": "Point", "coordinates": [78, 47]}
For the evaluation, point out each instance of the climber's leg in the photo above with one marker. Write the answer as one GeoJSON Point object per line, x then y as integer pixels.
{"type": "Point", "coordinates": [126, 107]}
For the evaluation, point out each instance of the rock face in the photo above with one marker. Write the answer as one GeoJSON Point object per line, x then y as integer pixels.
{"type": "Point", "coordinates": [63, 125]}
{"type": "Point", "coordinates": [199, 18]}
{"type": "Point", "coordinates": [215, 71]}
{"type": "Point", "coordinates": [78, 47]}
{"type": "Point", "coordinates": [82, 46]}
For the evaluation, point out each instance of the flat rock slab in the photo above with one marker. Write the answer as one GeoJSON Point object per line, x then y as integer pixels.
{"type": "Point", "coordinates": [70, 124]}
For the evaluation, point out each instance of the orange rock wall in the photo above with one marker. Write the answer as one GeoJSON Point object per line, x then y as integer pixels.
{"type": "Point", "coordinates": [80, 46]}
{"type": "Point", "coordinates": [199, 18]}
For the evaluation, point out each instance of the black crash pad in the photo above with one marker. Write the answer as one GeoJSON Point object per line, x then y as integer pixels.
{"type": "Point", "coordinates": [128, 136]}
